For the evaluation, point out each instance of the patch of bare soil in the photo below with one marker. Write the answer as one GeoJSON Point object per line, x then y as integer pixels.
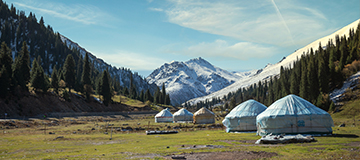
{"type": "Point", "coordinates": [224, 155]}
{"type": "Point", "coordinates": [239, 141]}
{"type": "Point", "coordinates": [354, 144]}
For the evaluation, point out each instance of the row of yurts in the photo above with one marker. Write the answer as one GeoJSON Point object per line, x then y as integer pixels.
{"type": "Point", "coordinates": [288, 115]}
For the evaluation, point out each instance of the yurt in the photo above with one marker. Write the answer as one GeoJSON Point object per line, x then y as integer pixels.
{"type": "Point", "coordinates": [183, 115]}
{"type": "Point", "coordinates": [204, 116]}
{"type": "Point", "coordinates": [164, 116]}
{"type": "Point", "coordinates": [243, 116]}
{"type": "Point", "coordinates": [293, 115]}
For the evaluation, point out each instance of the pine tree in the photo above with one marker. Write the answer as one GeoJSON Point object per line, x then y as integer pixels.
{"type": "Point", "coordinates": [69, 71]}
{"type": "Point", "coordinates": [163, 92]}
{"type": "Point", "coordinates": [38, 79]}
{"type": "Point", "coordinates": [133, 92]}
{"type": "Point", "coordinates": [6, 58]}
{"type": "Point", "coordinates": [141, 96]}
{"type": "Point", "coordinates": [313, 81]}
{"type": "Point", "coordinates": [55, 80]}
{"type": "Point", "coordinates": [303, 90]}
{"type": "Point", "coordinates": [167, 99]}
{"type": "Point", "coordinates": [85, 78]}
{"type": "Point", "coordinates": [148, 96]}
{"type": "Point", "coordinates": [126, 92]}
{"type": "Point", "coordinates": [21, 73]}
{"type": "Point", "coordinates": [4, 81]}
{"type": "Point", "coordinates": [79, 71]}
{"type": "Point", "coordinates": [157, 96]}
{"type": "Point", "coordinates": [6, 71]}
{"type": "Point", "coordinates": [232, 103]}
{"type": "Point", "coordinates": [105, 88]}
{"type": "Point", "coordinates": [323, 75]}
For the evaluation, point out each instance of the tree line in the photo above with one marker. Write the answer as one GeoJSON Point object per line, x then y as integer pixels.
{"type": "Point", "coordinates": [312, 76]}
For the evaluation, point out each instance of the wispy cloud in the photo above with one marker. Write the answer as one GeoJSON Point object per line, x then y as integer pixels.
{"type": "Point", "coordinates": [86, 14]}
{"type": "Point", "coordinates": [156, 9]}
{"type": "Point", "coordinates": [253, 21]}
{"type": "Point", "coordinates": [221, 48]}
{"type": "Point", "coordinates": [134, 61]}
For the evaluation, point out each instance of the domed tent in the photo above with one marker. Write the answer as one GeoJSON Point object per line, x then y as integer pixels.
{"type": "Point", "coordinates": [183, 115]}
{"type": "Point", "coordinates": [164, 116]}
{"type": "Point", "coordinates": [293, 115]}
{"type": "Point", "coordinates": [243, 116]}
{"type": "Point", "coordinates": [204, 116]}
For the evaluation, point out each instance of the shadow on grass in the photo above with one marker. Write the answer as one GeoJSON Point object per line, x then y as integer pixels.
{"type": "Point", "coordinates": [344, 135]}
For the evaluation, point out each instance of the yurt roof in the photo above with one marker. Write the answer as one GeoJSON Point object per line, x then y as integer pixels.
{"type": "Point", "coordinates": [164, 113]}
{"type": "Point", "coordinates": [248, 108]}
{"type": "Point", "coordinates": [183, 111]}
{"type": "Point", "coordinates": [292, 105]}
{"type": "Point", "coordinates": [203, 111]}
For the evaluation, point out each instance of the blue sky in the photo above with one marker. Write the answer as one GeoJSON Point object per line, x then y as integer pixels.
{"type": "Point", "coordinates": [235, 35]}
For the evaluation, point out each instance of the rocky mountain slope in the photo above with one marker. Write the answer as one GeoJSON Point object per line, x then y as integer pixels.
{"type": "Point", "coordinates": [193, 78]}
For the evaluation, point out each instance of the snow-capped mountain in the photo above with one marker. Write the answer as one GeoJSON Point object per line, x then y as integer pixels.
{"type": "Point", "coordinates": [122, 74]}
{"type": "Point", "coordinates": [193, 78]}
{"type": "Point", "coordinates": [274, 70]}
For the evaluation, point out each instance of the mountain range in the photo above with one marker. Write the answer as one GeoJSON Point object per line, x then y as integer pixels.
{"type": "Point", "coordinates": [193, 78]}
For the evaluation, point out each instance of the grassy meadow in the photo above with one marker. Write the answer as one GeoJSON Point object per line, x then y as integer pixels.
{"type": "Point", "coordinates": [85, 137]}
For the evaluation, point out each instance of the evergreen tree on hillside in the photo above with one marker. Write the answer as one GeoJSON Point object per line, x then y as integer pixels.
{"type": "Point", "coordinates": [85, 78]}
{"type": "Point", "coordinates": [163, 92]}
{"type": "Point", "coordinates": [157, 95]}
{"type": "Point", "coordinates": [303, 90]}
{"type": "Point", "coordinates": [55, 80]}
{"type": "Point", "coordinates": [4, 81]}
{"type": "Point", "coordinates": [69, 71]}
{"type": "Point", "coordinates": [141, 96]}
{"type": "Point", "coordinates": [232, 103]}
{"type": "Point", "coordinates": [105, 88]}
{"type": "Point", "coordinates": [167, 99]}
{"type": "Point", "coordinates": [323, 76]}
{"type": "Point", "coordinates": [79, 71]}
{"type": "Point", "coordinates": [21, 71]}
{"type": "Point", "coordinates": [148, 96]}
{"type": "Point", "coordinates": [313, 81]}
{"type": "Point", "coordinates": [38, 79]}
{"type": "Point", "coordinates": [5, 67]}
{"type": "Point", "coordinates": [295, 78]}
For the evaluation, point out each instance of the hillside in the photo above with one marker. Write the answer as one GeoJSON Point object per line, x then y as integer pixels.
{"type": "Point", "coordinates": [36, 105]}
{"type": "Point", "coordinates": [194, 78]}
{"type": "Point", "coordinates": [274, 69]}
{"type": "Point", "coordinates": [52, 48]}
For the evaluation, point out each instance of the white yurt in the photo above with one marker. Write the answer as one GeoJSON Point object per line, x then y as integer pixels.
{"type": "Point", "coordinates": [293, 115]}
{"type": "Point", "coordinates": [164, 116]}
{"type": "Point", "coordinates": [243, 116]}
{"type": "Point", "coordinates": [183, 115]}
{"type": "Point", "coordinates": [204, 116]}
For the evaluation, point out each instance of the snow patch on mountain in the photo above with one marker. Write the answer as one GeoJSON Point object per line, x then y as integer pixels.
{"type": "Point", "coordinates": [274, 70]}
{"type": "Point", "coordinates": [193, 78]}
{"type": "Point", "coordinates": [350, 83]}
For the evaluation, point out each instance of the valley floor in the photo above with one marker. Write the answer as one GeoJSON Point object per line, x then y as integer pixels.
{"type": "Point", "coordinates": [119, 137]}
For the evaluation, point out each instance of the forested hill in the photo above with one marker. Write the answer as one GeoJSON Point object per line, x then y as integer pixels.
{"type": "Point", "coordinates": [51, 49]}
{"type": "Point", "coordinates": [312, 76]}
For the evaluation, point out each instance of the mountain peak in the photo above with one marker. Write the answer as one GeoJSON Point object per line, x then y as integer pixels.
{"type": "Point", "coordinates": [198, 60]}
{"type": "Point", "coordinates": [193, 78]}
